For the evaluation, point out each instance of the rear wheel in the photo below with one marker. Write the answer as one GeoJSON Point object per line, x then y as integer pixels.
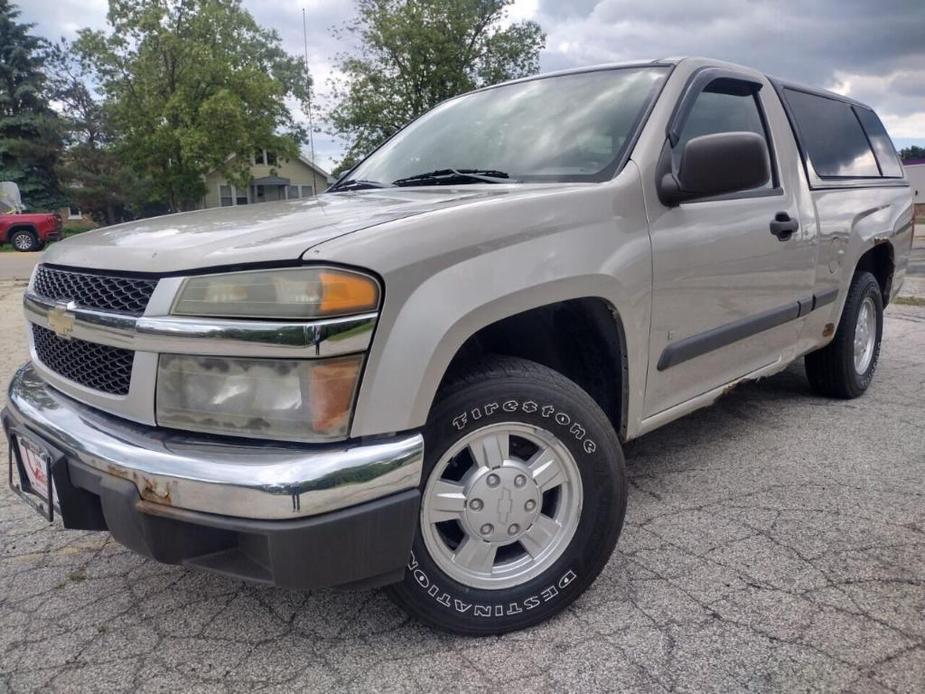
{"type": "Point", "coordinates": [24, 240]}
{"type": "Point", "coordinates": [845, 367]}
{"type": "Point", "coordinates": [522, 503]}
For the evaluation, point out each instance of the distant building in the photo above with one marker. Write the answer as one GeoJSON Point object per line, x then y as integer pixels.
{"type": "Point", "coordinates": [75, 219]}
{"type": "Point", "coordinates": [272, 179]}
{"type": "Point", "coordinates": [915, 172]}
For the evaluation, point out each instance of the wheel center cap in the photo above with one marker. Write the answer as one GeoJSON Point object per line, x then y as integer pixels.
{"type": "Point", "coordinates": [501, 503]}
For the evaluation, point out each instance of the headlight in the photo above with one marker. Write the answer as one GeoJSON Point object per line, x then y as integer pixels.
{"type": "Point", "coordinates": [285, 399]}
{"type": "Point", "coordinates": [296, 293]}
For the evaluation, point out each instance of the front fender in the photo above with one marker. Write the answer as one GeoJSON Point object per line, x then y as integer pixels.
{"type": "Point", "coordinates": [402, 378]}
{"type": "Point", "coordinates": [449, 275]}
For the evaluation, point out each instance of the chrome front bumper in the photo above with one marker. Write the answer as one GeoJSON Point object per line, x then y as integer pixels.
{"type": "Point", "coordinates": [267, 481]}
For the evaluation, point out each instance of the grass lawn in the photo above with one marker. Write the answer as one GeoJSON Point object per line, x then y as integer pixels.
{"type": "Point", "coordinates": [909, 300]}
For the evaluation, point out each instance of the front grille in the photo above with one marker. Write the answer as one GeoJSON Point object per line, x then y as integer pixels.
{"type": "Point", "coordinates": [101, 367]}
{"type": "Point", "coordinates": [91, 290]}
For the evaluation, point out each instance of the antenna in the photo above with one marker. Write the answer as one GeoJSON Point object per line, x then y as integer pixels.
{"type": "Point", "coordinates": [311, 125]}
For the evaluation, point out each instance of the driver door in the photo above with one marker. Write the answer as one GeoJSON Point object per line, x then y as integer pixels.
{"type": "Point", "coordinates": [724, 285]}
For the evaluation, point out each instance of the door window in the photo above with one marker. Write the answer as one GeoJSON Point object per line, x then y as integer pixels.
{"type": "Point", "coordinates": [720, 108]}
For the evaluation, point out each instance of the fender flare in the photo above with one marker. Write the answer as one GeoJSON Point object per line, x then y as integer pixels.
{"type": "Point", "coordinates": [414, 387]}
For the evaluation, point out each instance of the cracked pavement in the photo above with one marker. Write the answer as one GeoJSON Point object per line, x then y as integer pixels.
{"type": "Point", "coordinates": [773, 542]}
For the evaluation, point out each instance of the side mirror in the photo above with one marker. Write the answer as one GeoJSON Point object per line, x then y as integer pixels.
{"type": "Point", "coordinates": [717, 164]}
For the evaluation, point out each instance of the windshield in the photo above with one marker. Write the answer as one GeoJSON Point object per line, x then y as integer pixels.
{"type": "Point", "coordinates": [568, 128]}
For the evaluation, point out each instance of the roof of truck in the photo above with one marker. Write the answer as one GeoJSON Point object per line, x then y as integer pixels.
{"type": "Point", "coordinates": [675, 60]}
{"type": "Point", "coordinates": [787, 84]}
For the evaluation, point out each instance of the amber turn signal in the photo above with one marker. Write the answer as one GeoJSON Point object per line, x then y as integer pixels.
{"type": "Point", "coordinates": [343, 293]}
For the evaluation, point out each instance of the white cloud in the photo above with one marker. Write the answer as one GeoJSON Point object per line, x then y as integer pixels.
{"type": "Point", "coordinates": [523, 9]}
{"type": "Point", "coordinates": [898, 97]}
{"type": "Point", "coordinates": [57, 18]}
{"type": "Point", "coordinates": [908, 127]}
{"type": "Point", "coordinates": [873, 51]}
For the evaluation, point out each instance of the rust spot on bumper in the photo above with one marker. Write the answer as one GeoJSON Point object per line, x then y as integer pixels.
{"type": "Point", "coordinates": [118, 472]}
{"type": "Point", "coordinates": [149, 489]}
{"type": "Point", "coordinates": [154, 491]}
{"type": "Point", "coordinates": [156, 509]}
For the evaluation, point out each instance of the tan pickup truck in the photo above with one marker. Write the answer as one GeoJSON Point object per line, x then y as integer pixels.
{"type": "Point", "coordinates": [423, 377]}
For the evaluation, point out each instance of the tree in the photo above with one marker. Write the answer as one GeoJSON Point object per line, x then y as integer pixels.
{"type": "Point", "coordinates": [912, 152]}
{"type": "Point", "coordinates": [29, 131]}
{"type": "Point", "coordinates": [191, 86]}
{"type": "Point", "coordinates": [415, 54]}
{"type": "Point", "coordinates": [93, 175]}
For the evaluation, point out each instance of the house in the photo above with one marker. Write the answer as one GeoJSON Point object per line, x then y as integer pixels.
{"type": "Point", "coordinates": [915, 172]}
{"type": "Point", "coordinates": [272, 178]}
{"type": "Point", "coordinates": [75, 219]}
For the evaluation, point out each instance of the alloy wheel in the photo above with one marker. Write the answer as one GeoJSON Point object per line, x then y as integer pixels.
{"type": "Point", "coordinates": [23, 242]}
{"type": "Point", "coordinates": [501, 505]}
{"type": "Point", "coordinates": [865, 336]}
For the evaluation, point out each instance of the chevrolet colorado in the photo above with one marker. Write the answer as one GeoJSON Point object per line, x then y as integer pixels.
{"type": "Point", "coordinates": [423, 377]}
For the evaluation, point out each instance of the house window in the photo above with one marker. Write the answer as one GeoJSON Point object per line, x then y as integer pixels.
{"type": "Point", "coordinates": [225, 196]}
{"type": "Point", "coordinates": [264, 158]}
{"type": "Point", "coordinates": [240, 196]}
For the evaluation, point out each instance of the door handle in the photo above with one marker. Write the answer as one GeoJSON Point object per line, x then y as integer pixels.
{"type": "Point", "coordinates": [783, 227]}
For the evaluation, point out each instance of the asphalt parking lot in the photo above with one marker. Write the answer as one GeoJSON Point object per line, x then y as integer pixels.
{"type": "Point", "coordinates": [774, 542]}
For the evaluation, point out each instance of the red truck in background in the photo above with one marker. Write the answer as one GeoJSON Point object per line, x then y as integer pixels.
{"type": "Point", "coordinates": [30, 232]}
{"type": "Point", "coordinates": [25, 231]}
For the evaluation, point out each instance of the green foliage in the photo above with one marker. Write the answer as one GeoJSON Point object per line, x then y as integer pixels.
{"type": "Point", "coordinates": [191, 86]}
{"type": "Point", "coordinates": [29, 131]}
{"type": "Point", "coordinates": [94, 177]}
{"type": "Point", "coordinates": [415, 54]}
{"type": "Point", "coordinates": [912, 152]}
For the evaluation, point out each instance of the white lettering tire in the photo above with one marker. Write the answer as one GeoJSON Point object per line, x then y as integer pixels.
{"type": "Point", "coordinates": [523, 497]}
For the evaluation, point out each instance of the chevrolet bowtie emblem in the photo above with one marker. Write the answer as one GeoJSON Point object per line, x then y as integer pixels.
{"type": "Point", "coordinates": [61, 318]}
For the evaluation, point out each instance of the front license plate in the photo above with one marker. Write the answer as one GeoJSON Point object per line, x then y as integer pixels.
{"type": "Point", "coordinates": [34, 482]}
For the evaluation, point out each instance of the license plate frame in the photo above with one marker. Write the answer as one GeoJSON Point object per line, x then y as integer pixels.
{"type": "Point", "coordinates": [34, 464]}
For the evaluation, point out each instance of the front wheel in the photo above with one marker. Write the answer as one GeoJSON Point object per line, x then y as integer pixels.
{"type": "Point", "coordinates": [24, 241]}
{"type": "Point", "coordinates": [845, 367]}
{"type": "Point", "coordinates": [522, 502]}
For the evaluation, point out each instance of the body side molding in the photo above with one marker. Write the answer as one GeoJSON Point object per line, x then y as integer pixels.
{"type": "Point", "coordinates": [716, 338]}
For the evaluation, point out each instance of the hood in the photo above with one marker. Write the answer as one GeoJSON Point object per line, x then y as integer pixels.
{"type": "Point", "coordinates": [263, 232]}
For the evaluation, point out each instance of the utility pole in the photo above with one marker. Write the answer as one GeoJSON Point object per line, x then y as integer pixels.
{"type": "Point", "coordinates": [311, 124]}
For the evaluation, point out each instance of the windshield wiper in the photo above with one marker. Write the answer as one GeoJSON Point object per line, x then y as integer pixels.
{"type": "Point", "coordinates": [451, 176]}
{"type": "Point", "coordinates": [357, 184]}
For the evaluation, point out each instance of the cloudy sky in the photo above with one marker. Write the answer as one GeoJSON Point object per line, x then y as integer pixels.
{"type": "Point", "coordinates": [871, 50]}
